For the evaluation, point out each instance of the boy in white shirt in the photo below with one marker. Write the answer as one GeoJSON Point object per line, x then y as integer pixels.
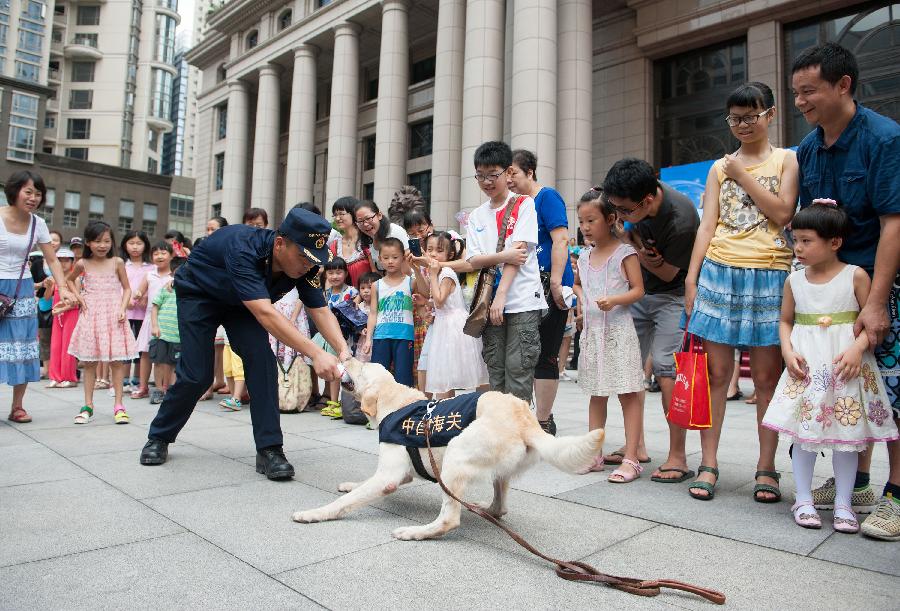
{"type": "Point", "coordinates": [511, 343]}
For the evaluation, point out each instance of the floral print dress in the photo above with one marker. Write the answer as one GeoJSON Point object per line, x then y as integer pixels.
{"type": "Point", "coordinates": [820, 411]}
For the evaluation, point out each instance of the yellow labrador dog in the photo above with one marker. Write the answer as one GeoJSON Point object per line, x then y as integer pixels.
{"type": "Point", "coordinates": [504, 440]}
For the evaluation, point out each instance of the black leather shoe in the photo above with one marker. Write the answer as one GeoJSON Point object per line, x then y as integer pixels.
{"type": "Point", "coordinates": [155, 452]}
{"type": "Point", "coordinates": [273, 464]}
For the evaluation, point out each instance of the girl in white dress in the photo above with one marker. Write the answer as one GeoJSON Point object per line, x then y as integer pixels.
{"type": "Point", "coordinates": [831, 394]}
{"type": "Point", "coordinates": [608, 281]}
{"type": "Point", "coordinates": [454, 360]}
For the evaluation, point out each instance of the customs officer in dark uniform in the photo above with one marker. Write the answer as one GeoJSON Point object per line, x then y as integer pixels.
{"type": "Point", "coordinates": [231, 279]}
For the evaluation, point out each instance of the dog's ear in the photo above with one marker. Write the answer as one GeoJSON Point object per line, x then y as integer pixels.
{"type": "Point", "coordinates": [368, 403]}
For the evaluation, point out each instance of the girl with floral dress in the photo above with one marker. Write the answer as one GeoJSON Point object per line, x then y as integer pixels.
{"type": "Point", "coordinates": [102, 333]}
{"type": "Point", "coordinates": [831, 395]}
{"type": "Point", "coordinates": [608, 281]}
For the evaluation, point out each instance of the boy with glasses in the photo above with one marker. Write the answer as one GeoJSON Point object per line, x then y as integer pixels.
{"type": "Point", "coordinates": [511, 343]}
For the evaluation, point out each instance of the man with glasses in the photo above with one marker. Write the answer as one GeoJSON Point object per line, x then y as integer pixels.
{"type": "Point", "coordinates": [664, 225]}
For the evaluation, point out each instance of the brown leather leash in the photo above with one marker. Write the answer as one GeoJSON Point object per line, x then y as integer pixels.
{"type": "Point", "coordinates": [575, 570]}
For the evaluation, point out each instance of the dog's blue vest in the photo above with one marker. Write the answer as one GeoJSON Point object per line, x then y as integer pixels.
{"type": "Point", "coordinates": [406, 426]}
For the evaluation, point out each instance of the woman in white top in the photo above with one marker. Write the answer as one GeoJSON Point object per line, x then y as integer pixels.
{"type": "Point", "coordinates": [19, 363]}
{"type": "Point", "coordinates": [375, 229]}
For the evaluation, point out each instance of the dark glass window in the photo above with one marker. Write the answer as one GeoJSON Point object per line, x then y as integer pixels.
{"type": "Point", "coordinates": [422, 182]}
{"type": "Point", "coordinates": [79, 129]}
{"type": "Point", "coordinates": [83, 72]}
{"type": "Point", "coordinates": [81, 99]}
{"type": "Point", "coordinates": [369, 153]}
{"type": "Point", "coordinates": [220, 171]}
{"type": "Point", "coordinates": [222, 127]}
{"type": "Point", "coordinates": [420, 137]}
{"type": "Point", "coordinates": [690, 93]}
{"type": "Point", "coordinates": [873, 35]}
{"type": "Point", "coordinates": [369, 191]}
{"type": "Point", "coordinates": [88, 15]}
{"type": "Point", "coordinates": [422, 70]}
{"type": "Point", "coordinates": [371, 90]}
{"type": "Point", "coordinates": [252, 39]}
{"type": "Point", "coordinates": [77, 152]}
{"type": "Point", "coordinates": [285, 19]}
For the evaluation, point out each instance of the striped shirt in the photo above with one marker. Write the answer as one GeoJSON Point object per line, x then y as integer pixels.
{"type": "Point", "coordinates": [167, 316]}
{"type": "Point", "coordinates": [395, 311]}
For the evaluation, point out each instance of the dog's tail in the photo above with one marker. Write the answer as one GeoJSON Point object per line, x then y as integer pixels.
{"type": "Point", "coordinates": [570, 453]}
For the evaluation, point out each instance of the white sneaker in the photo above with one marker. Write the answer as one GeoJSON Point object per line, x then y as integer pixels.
{"type": "Point", "coordinates": [884, 523]}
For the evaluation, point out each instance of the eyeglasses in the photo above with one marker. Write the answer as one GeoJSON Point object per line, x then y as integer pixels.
{"type": "Point", "coordinates": [489, 177]}
{"type": "Point", "coordinates": [734, 120]}
{"type": "Point", "coordinates": [341, 213]}
{"type": "Point", "coordinates": [366, 221]}
{"type": "Point", "coordinates": [626, 212]}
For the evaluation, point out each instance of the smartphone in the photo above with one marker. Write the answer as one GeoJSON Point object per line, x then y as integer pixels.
{"type": "Point", "coordinates": [415, 247]}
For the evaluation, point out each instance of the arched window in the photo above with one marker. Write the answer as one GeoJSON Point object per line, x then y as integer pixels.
{"type": "Point", "coordinates": [220, 73]}
{"type": "Point", "coordinates": [284, 20]}
{"type": "Point", "coordinates": [252, 39]}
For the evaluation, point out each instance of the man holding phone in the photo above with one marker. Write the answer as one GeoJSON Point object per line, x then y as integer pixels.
{"type": "Point", "coordinates": [664, 225]}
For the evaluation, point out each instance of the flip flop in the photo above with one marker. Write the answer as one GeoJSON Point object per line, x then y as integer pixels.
{"type": "Point", "coordinates": [621, 455]}
{"type": "Point", "coordinates": [19, 415]}
{"type": "Point", "coordinates": [686, 474]}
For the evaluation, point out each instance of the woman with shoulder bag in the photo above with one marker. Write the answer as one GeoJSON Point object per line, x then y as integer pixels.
{"type": "Point", "coordinates": [20, 229]}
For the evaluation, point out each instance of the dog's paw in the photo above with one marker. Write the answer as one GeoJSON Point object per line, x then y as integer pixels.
{"type": "Point", "coordinates": [312, 515]}
{"type": "Point", "coordinates": [347, 486]}
{"type": "Point", "coordinates": [492, 510]}
{"type": "Point", "coordinates": [410, 533]}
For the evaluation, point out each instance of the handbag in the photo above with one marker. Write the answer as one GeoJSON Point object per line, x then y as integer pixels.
{"type": "Point", "coordinates": [294, 386]}
{"type": "Point", "coordinates": [479, 311]}
{"type": "Point", "coordinates": [7, 303]}
{"type": "Point", "coordinates": [690, 406]}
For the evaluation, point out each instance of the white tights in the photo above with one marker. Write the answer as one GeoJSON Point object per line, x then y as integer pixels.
{"type": "Point", "coordinates": [844, 464]}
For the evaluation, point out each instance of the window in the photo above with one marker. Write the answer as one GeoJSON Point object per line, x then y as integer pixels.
{"type": "Point", "coordinates": [56, 35]}
{"type": "Point", "coordinates": [96, 208]}
{"type": "Point", "coordinates": [222, 126]}
{"type": "Point", "coordinates": [50, 121]}
{"type": "Point", "coordinates": [23, 116]}
{"type": "Point", "coordinates": [216, 210]}
{"type": "Point", "coordinates": [59, 9]}
{"type": "Point", "coordinates": [88, 40]}
{"type": "Point", "coordinates": [79, 129]}
{"type": "Point", "coordinates": [71, 207]}
{"type": "Point", "coordinates": [181, 213]}
{"type": "Point", "coordinates": [53, 70]}
{"type": "Point", "coordinates": [252, 39]}
{"type": "Point", "coordinates": [165, 39]}
{"type": "Point", "coordinates": [321, 3]}
{"type": "Point", "coordinates": [34, 10]}
{"type": "Point", "coordinates": [369, 191]}
{"type": "Point", "coordinates": [369, 153]}
{"type": "Point", "coordinates": [872, 34]}
{"type": "Point", "coordinates": [27, 72]}
{"type": "Point", "coordinates": [81, 99]}
{"type": "Point", "coordinates": [77, 152]}
{"type": "Point", "coordinates": [161, 102]}
{"type": "Point", "coordinates": [422, 70]}
{"type": "Point", "coordinates": [221, 74]}
{"type": "Point", "coordinates": [420, 137]}
{"type": "Point", "coordinates": [30, 41]}
{"type": "Point", "coordinates": [285, 19]}
{"type": "Point", "coordinates": [152, 165]}
{"type": "Point", "coordinates": [88, 15]}
{"type": "Point", "coordinates": [422, 182]}
{"type": "Point", "coordinates": [689, 89]}
{"type": "Point", "coordinates": [46, 211]}
{"type": "Point", "coordinates": [83, 72]}
{"type": "Point", "coordinates": [126, 214]}
{"type": "Point", "coordinates": [371, 90]}
{"type": "Point", "coordinates": [220, 171]}
{"type": "Point", "coordinates": [148, 225]}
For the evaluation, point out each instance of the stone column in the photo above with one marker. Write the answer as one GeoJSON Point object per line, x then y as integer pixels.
{"type": "Point", "coordinates": [765, 61]}
{"type": "Point", "coordinates": [448, 107]}
{"type": "Point", "coordinates": [392, 111]}
{"type": "Point", "coordinates": [301, 156]}
{"type": "Point", "coordinates": [482, 89]}
{"type": "Point", "coordinates": [234, 182]}
{"type": "Point", "coordinates": [533, 108]}
{"type": "Point", "coordinates": [344, 115]}
{"type": "Point", "coordinates": [574, 112]}
{"type": "Point", "coordinates": [265, 146]}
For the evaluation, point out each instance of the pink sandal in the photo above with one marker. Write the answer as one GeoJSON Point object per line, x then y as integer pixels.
{"type": "Point", "coordinates": [806, 520]}
{"type": "Point", "coordinates": [620, 476]}
{"type": "Point", "coordinates": [849, 526]}
{"type": "Point", "coordinates": [596, 466]}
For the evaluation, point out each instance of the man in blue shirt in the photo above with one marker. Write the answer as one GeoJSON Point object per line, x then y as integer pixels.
{"type": "Point", "coordinates": [231, 279]}
{"type": "Point", "coordinates": [853, 157]}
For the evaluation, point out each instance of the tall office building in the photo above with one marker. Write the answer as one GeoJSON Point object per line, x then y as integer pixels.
{"type": "Point", "coordinates": [174, 144]}
{"type": "Point", "coordinates": [112, 63]}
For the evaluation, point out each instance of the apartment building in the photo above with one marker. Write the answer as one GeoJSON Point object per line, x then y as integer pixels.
{"type": "Point", "coordinates": [312, 100]}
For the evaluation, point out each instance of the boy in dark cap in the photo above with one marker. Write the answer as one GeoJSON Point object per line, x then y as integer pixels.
{"type": "Point", "coordinates": [232, 279]}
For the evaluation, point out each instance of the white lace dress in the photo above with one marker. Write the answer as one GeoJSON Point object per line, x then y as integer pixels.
{"type": "Point", "coordinates": [610, 359]}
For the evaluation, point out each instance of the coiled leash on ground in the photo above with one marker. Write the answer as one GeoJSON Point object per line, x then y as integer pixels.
{"type": "Point", "coordinates": [574, 570]}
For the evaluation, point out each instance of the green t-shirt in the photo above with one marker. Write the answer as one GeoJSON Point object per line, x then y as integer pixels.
{"type": "Point", "coordinates": [167, 316]}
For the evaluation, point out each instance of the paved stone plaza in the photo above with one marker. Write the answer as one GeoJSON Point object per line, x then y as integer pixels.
{"type": "Point", "coordinates": [86, 527]}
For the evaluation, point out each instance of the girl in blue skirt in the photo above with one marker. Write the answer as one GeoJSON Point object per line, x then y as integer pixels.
{"type": "Point", "coordinates": [740, 261]}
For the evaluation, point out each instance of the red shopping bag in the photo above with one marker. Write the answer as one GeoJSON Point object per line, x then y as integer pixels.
{"type": "Point", "coordinates": [690, 406]}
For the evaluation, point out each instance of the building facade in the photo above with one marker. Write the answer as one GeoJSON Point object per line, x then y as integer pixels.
{"type": "Point", "coordinates": [309, 100]}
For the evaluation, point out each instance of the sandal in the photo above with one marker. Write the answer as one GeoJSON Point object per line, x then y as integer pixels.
{"type": "Point", "coordinates": [623, 477]}
{"type": "Point", "coordinates": [231, 404]}
{"type": "Point", "coordinates": [804, 519]}
{"type": "Point", "coordinates": [767, 487]}
{"type": "Point", "coordinates": [19, 415]}
{"type": "Point", "coordinates": [710, 489]}
{"type": "Point", "coordinates": [735, 396]}
{"type": "Point", "coordinates": [597, 465]}
{"type": "Point", "coordinates": [141, 393]}
{"type": "Point", "coordinates": [101, 384]}
{"type": "Point", "coordinates": [849, 526]}
{"type": "Point", "coordinates": [120, 415]}
{"type": "Point", "coordinates": [334, 410]}
{"type": "Point", "coordinates": [85, 415]}
{"type": "Point", "coordinates": [620, 456]}
{"type": "Point", "coordinates": [53, 384]}
{"type": "Point", "coordinates": [67, 384]}
{"type": "Point", "coordinates": [686, 474]}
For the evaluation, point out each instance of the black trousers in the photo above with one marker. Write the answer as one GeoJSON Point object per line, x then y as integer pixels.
{"type": "Point", "coordinates": [198, 319]}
